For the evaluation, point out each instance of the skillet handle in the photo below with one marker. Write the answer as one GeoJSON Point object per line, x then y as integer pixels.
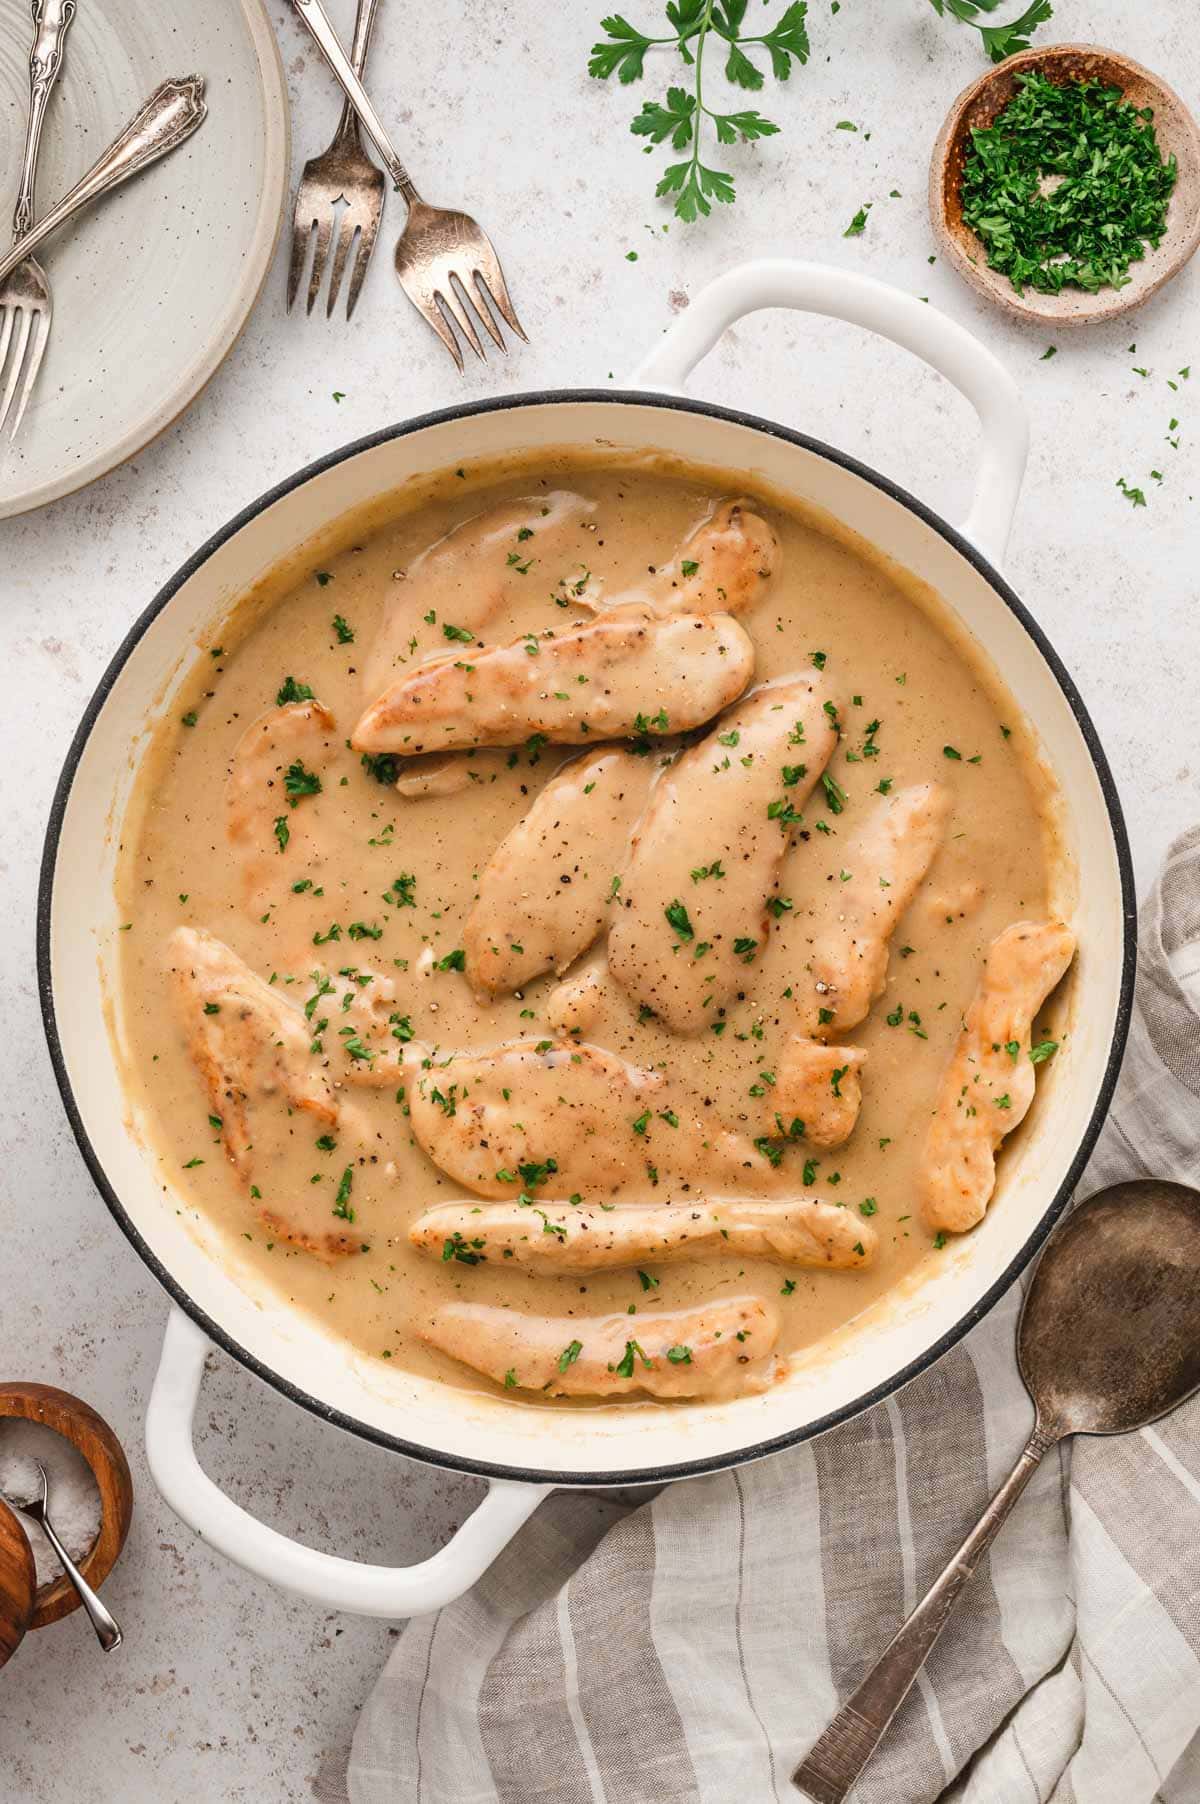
{"type": "Point", "coordinates": [385, 1591]}
{"type": "Point", "coordinates": [938, 340]}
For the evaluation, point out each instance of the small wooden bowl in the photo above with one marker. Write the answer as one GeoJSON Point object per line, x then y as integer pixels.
{"type": "Point", "coordinates": [78, 1423]}
{"type": "Point", "coordinates": [978, 106]}
{"type": "Point", "coordinates": [17, 1584]}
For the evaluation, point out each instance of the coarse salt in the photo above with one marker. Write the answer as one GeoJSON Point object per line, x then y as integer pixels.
{"type": "Point", "coordinates": [74, 1501]}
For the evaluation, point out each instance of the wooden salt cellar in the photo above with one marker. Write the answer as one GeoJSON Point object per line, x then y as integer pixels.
{"type": "Point", "coordinates": [78, 1423]}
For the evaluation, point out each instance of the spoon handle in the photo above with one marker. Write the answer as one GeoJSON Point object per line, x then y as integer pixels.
{"type": "Point", "coordinates": [108, 1632]}
{"type": "Point", "coordinates": [171, 114]}
{"type": "Point", "coordinates": [834, 1763]}
{"type": "Point", "coordinates": [51, 22]}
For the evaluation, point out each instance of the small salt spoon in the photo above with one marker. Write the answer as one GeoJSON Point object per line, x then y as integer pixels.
{"type": "Point", "coordinates": [108, 1632]}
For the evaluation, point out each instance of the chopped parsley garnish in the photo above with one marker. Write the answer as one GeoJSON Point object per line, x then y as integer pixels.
{"type": "Point", "coordinates": [835, 795]}
{"type": "Point", "coordinates": [455, 1246]}
{"type": "Point", "coordinates": [679, 1356]}
{"type": "Point", "coordinates": [632, 1351]}
{"type": "Point", "coordinates": [343, 631]}
{"type": "Point", "coordinates": [341, 1205]}
{"type": "Point", "coordinates": [1045, 1049]}
{"type": "Point", "coordinates": [569, 1354]}
{"type": "Point", "coordinates": [400, 895]}
{"type": "Point", "coordinates": [453, 961]}
{"type": "Point", "coordinates": [1067, 186]}
{"type": "Point", "coordinates": [282, 831]}
{"type": "Point", "coordinates": [383, 766]}
{"type": "Point", "coordinates": [677, 916]}
{"type": "Point", "coordinates": [292, 691]}
{"type": "Point", "coordinates": [535, 1172]}
{"type": "Point", "coordinates": [458, 633]}
{"type": "Point", "coordinates": [298, 782]}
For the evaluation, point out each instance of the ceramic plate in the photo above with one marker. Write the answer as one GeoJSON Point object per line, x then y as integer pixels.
{"type": "Point", "coordinates": [152, 286]}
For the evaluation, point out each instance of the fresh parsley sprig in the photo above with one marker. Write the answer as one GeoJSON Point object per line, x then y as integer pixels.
{"type": "Point", "coordinates": [680, 120]}
{"type": "Point", "coordinates": [999, 41]}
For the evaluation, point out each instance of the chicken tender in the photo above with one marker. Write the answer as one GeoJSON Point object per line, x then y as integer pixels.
{"type": "Point", "coordinates": [817, 1094]}
{"type": "Point", "coordinates": [563, 1119]}
{"type": "Point", "coordinates": [440, 775]}
{"type": "Point", "coordinates": [725, 566]}
{"type": "Point", "coordinates": [720, 1350]}
{"type": "Point", "coordinates": [621, 674]}
{"type": "Point", "coordinates": [251, 1047]}
{"type": "Point", "coordinates": [987, 1087]}
{"type": "Point", "coordinates": [692, 911]}
{"type": "Point", "coordinates": [841, 948]}
{"type": "Point", "coordinates": [466, 578]}
{"type": "Point", "coordinates": [548, 888]}
{"type": "Point", "coordinates": [272, 799]}
{"type": "Point", "coordinates": [556, 1239]}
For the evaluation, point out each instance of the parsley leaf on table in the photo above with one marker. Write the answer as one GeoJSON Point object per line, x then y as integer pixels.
{"type": "Point", "coordinates": [682, 118]}
{"type": "Point", "coordinates": [999, 41]}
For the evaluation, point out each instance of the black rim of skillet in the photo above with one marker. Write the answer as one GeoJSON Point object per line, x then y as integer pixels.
{"type": "Point", "coordinates": [651, 1474]}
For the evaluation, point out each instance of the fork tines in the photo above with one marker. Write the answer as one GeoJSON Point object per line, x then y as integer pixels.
{"type": "Point", "coordinates": [452, 291]}
{"type": "Point", "coordinates": [314, 221]}
{"type": "Point", "coordinates": [24, 333]}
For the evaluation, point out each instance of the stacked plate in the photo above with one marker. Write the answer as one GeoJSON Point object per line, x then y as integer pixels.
{"type": "Point", "coordinates": [152, 287]}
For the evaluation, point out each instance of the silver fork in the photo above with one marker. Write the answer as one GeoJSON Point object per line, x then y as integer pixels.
{"type": "Point", "coordinates": [346, 173]}
{"type": "Point", "coordinates": [444, 260]}
{"type": "Point", "coordinates": [26, 294]}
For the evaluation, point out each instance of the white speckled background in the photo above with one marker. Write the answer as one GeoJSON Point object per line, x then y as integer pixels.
{"type": "Point", "coordinates": [225, 1690]}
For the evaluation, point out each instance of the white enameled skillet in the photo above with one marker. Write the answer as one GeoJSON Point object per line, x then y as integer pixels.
{"type": "Point", "coordinates": [524, 1450]}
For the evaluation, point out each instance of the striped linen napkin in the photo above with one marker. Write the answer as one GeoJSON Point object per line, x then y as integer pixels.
{"type": "Point", "coordinates": [691, 1649]}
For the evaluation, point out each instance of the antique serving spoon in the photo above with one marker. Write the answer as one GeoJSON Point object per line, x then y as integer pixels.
{"type": "Point", "coordinates": [1108, 1341]}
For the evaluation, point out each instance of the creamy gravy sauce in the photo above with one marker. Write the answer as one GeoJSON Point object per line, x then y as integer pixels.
{"type": "Point", "coordinates": [902, 665]}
